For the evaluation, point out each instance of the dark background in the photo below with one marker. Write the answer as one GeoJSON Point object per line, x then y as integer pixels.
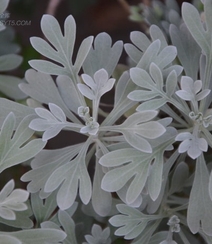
{"type": "Point", "coordinates": [92, 17]}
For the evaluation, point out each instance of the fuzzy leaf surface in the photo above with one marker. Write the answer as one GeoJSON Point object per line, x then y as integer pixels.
{"type": "Point", "coordinates": [200, 207]}
{"type": "Point", "coordinates": [12, 200]}
{"type": "Point", "coordinates": [13, 147]}
{"type": "Point", "coordinates": [42, 88]}
{"type": "Point", "coordinates": [61, 48]}
{"type": "Point", "coordinates": [131, 222]}
{"type": "Point", "coordinates": [39, 236]}
{"type": "Point", "coordinates": [137, 128]}
{"type": "Point", "coordinates": [103, 55]}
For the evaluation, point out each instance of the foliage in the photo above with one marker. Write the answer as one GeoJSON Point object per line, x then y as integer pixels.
{"type": "Point", "coordinates": [141, 171]}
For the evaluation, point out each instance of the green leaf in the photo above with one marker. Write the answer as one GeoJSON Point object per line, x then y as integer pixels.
{"type": "Point", "coordinates": [200, 204]}
{"type": "Point", "coordinates": [187, 49]}
{"type": "Point", "coordinates": [101, 200]}
{"type": "Point", "coordinates": [7, 239]}
{"type": "Point", "coordinates": [39, 236]}
{"type": "Point", "coordinates": [42, 88]}
{"type": "Point", "coordinates": [137, 129]}
{"type": "Point", "coordinates": [68, 226]}
{"type": "Point", "coordinates": [131, 221]}
{"type": "Point", "coordinates": [20, 111]}
{"type": "Point", "coordinates": [10, 62]}
{"type": "Point", "coordinates": [45, 163]}
{"type": "Point", "coordinates": [14, 147]}
{"type": "Point", "coordinates": [179, 178]}
{"type": "Point", "coordinates": [22, 219]}
{"type": "Point", "coordinates": [171, 83]}
{"type": "Point", "coordinates": [12, 200]}
{"type": "Point", "coordinates": [62, 49]}
{"type": "Point", "coordinates": [132, 167]}
{"type": "Point", "coordinates": [3, 5]}
{"type": "Point", "coordinates": [193, 21]}
{"type": "Point", "coordinates": [43, 211]}
{"type": "Point", "coordinates": [103, 55]}
{"type": "Point", "coordinates": [9, 85]}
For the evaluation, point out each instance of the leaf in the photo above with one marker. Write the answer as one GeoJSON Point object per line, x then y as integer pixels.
{"type": "Point", "coordinates": [157, 34]}
{"type": "Point", "coordinates": [166, 56]}
{"type": "Point", "coordinates": [97, 86]}
{"type": "Point", "coordinates": [132, 167]}
{"type": "Point", "coordinates": [51, 122]}
{"type": "Point", "coordinates": [42, 88]}
{"type": "Point", "coordinates": [70, 93]}
{"type": "Point", "coordinates": [103, 55]}
{"type": "Point", "coordinates": [61, 48]}
{"type": "Point", "coordinates": [137, 127]}
{"type": "Point", "coordinates": [68, 226]}
{"type": "Point", "coordinates": [9, 239]}
{"type": "Point", "coordinates": [149, 55]}
{"type": "Point", "coordinates": [45, 163]}
{"type": "Point", "coordinates": [187, 49]}
{"type": "Point", "coordinates": [152, 104]}
{"type": "Point", "coordinates": [70, 175]}
{"type": "Point", "coordinates": [12, 200]}
{"type": "Point", "coordinates": [10, 62]}
{"type": "Point", "coordinates": [131, 221]}
{"type": "Point", "coordinates": [71, 171]}
{"type": "Point", "coordinates": [101, 200]}
{"type": "Point", "coordinates": [134, 164]}
{"type": "Point", "coordinates": [14, 148]}
{"type": "Point", "coordinates": [39, 236]}
{"type": "Point", "coordinates": [43, 210]}
{"type": "Point", "coordinates": [193, 22]}
{"type": "Point", "coordinates": [200, 207]}
{"type": "Point", "coordinates": [22, 220]}
{"type": "Point", "coordinates": [121, 103]}
{"type": "Point", "coordinates": [152, 85]}
{"type": "Point", "coordinates": [171, 83]}
{"type": "Point", "coordinates": [98, 235]}
{"type": "Point", "coordinates": [3, 5]}
{"type": "Point", "coordinates": [179, 178]}
{"type": "Point", "coordinates": [20, 111]}
{"type": "Point", "coordinates": [9, 85]}
{"type": "Point", "coordinates": [208, 19]}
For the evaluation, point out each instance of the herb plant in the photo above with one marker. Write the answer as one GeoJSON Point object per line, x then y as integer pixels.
{"type": "Point", "coordinates": [142, 172]}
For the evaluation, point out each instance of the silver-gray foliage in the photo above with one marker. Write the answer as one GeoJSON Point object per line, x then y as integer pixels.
{"type": "Point", "coordinates": [141, 170]}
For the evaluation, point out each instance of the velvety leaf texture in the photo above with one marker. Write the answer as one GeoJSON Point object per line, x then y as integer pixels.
{"type": "Point", "coordinates": [14, 149]}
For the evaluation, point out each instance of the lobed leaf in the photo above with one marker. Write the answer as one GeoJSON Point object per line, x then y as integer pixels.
{"type": "Point", "coordinates": [60, 48]}
{"type": "Point", "coordinates": [200, 207]}
{"type": "Point", "coordinates": [14, 148]}
{"type": "Point", "coordinates": [103, 55]}
{"type": "Point", "coordinates": [42, 88]}
{"type": "Point", "coordinates": [193, 22]}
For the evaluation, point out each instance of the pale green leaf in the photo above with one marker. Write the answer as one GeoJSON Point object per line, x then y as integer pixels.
{"type": "Point", "coordinates": [68, 226]}
{"type": "Point", "coordinates": [14, 148]}
{"type": "Point", "coordinates": [193, 22]}
{"type": "Point", "coordinates": [61, 48]}
{"type": "Point", "coordinates": [3, 5]}
{"type": "Point", "coordinates": [10, 62]}
{"type": "Point", "coordinates": [9, 85]}
{"type": "Point", "coordinates": [187, 49]}
{"type": "Point", "coordinates": [200, 204]}
{"type": "Point", "coordinates": [20, 111]}
{"type": "Point", "coordinates": [45, 163]}
{"type": "Point", "coordinates": [101, 200]}
{"type": "Point", "coordinates": [39, 236]}
{"type": "Point", "coordinates": [7, 239]}
{"type": "Point", "coordinates": [103, 55]}
{"type": "Point", "coordinates": [42, 88]}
